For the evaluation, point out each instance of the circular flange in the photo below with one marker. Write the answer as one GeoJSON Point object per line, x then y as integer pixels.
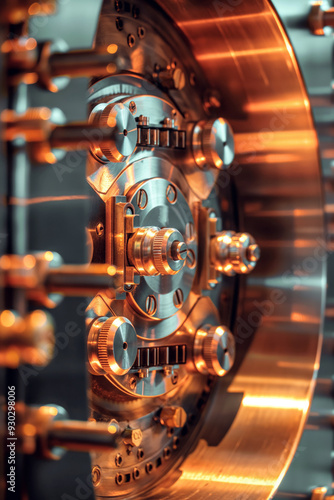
{"type": "Point", "coordinates": [160, 212]}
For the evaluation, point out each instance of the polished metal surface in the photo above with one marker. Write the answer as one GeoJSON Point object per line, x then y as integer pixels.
{"type": "Point", "coordinates": [211, 137]}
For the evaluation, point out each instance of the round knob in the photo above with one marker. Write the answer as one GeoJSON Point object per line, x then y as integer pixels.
{"type": "Point", "coordinates": [155, 251]}
{"type": "Point", "coordinates": [169, 251]}
{"type": "Point", "coordinates": [213, 144]}
{"type": "Point", "coordinates": [124, 138]}
{"type": "Point", "coordinates": [233, 253]}
{"type": "Point", "coordinates": [214, 350]}
{"type": "Point", "coordinates": [112, 346]}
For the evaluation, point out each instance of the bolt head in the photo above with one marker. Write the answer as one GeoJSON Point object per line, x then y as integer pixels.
{"type": "Point", "coordinates": [132, 437]}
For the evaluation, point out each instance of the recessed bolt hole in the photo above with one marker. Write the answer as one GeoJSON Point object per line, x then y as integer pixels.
{"type": "Point", "coordinates": [141, 32]}
{"type": "Point", "coordinates": [119, 479]}
{"type": "Point", "coordinates": [178, 298]}
{"type": "Point", "coordinates": [151, 305]}
{"type": "Point", "coordinates": [171, 194]}
{"type": "Point", "coordinates": [125, 346]}
{"type": "Point", "coordinates": [100, 229]}
{"type": "Point", "coordinates": [125, 132]}
{"type": "Point", "coordinates": [140, 453]}
{"type": "Point", "coordinates": [167, 453]}
{"type": "Point", "coordinates": [118, 460]}
{"type": "Point", "coordinates": [133, 383]}
{"type": "Point", "coordinates": [149, 467]}
{"type": "Point", "coordinates": [96, 475]}
{"type": "Point", "coordinates": [131, 40]}
{"type": "Point", "coordinates": [142, 199]}
{"type": "Point", "coordinates": [191, 259]}
{"type": "Point", "coordinates": [136, 474]}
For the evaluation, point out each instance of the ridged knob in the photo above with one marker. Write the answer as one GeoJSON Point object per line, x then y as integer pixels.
{"type": "Point", "coordinates": [169, 251]}
{"type": "Point", "coordinates": [116, 346]}
{"type": "Point", "coordinates": [214, 350]}
{"type": "Point", "coordinates": [155, 251]}
{"type": "Point", "coordinates": [124, 138]}
{"type": "Point", "coordinates": [213, 143]}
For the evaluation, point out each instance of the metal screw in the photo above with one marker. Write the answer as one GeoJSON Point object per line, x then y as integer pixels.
{"type": "Point", "coordinates": [141, 32]}
{"type": "Point", "coordinates": [100, 229]}
{"type": "Point", "coordinates": [142, 199]}
{"type": "Point", "coordinates": [179, 250]}
{"type": "Point", "coordinates": [118, 460]}
{"type": "Point", "coordinates": [119, 24]}
{"type": "Point", "coordinates": [132, 437]}
{"type": "Point", "coordinates": [151, 305]}
{"type": "Point", "coordinates": [178, 298]}
{"type": "Point", "coordinates": [133, 107]}
{"type": "Point", "coordinates": [131, 40]}
{"type": "Point", "coordinates": [133, 383]}
{"type": "Point", "coordinates": [96, 475]}
{"type": "Point", "coordinates": [171, 193]}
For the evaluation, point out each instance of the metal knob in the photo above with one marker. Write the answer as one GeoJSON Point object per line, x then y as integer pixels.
{"type": "Point", "coordinates": [124, 139]}
{"type": "Point", "coordinates": [112, 346]}
{"type": "Point", "coordinates": [214, 350]}
{"type": "Point", "coordinates": [234, 253]}
{"type": "Point", "coordinates": [155, 251]}
{"type": "Point", "coordinates": [213, 144]}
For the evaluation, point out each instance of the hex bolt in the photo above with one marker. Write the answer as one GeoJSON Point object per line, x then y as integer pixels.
{"type": "Point", "coordinates": [173, 416]}
{"type": "Point", "coordinates": [171, 194]}
{"type": "Point", "coordinates": [151, 305]}
{"type": "Point", "coordinates": [96, 475]}
{"type": "Point", "coordinates": [100, 229]}
{"type": "Point", "coordinates": [178, 298]}
{"type": "Point", "coordinates": [133, 107]}
{"type": "Point", "coordinates": [142, 199]}
{"type": "Point", "coordinates": [132, 437]}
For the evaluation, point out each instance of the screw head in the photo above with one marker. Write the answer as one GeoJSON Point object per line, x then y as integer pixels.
{"type": "Point", "coordinates": [178, 298]}
{"type": "Point", "coordinates": [151, 305]}
{"type": "Point", "coordinates": [173, 416]}
{"type": "Point", "coordinates": [179, 250]}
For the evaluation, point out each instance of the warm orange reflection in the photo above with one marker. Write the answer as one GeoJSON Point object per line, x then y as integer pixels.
{"type": "Point", "coordinates": [45, 199]}
{"type": "Point", "coordinates": [275, 402]}
{"type": "Point", "coordinates": [226, 19]}
{"type": "Point", "coordinates": [220, 478]}
{"type": "Point", "coordinates": [239, 53]}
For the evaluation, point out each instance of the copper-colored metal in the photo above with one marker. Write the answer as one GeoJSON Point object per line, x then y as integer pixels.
{"type": "Point", "coordinates": [214, 350]}
{"type": "Point", "coordinates": [17, 11]}
{"type": "Point", "coordinates": [35, 275]}
{"type": "Point", "coordinates": [173, 416]}
{"type": "Point", "coordinates": [234, 253]}
{"type": "Point", "coordinates": [26, 340]}
{"type": "Point", "coordinates": [36, 126]}
{"type": "Point", "coordinates": [320, 18]}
